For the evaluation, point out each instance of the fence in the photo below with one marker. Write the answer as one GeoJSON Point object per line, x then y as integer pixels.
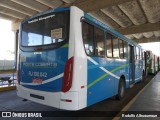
{"type": "Point", "coordinates": [7, 73]}
{"type": "Point", "coordinates": [8, 79]}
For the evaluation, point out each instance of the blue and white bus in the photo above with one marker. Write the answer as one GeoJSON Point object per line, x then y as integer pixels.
{"type": "Point", "coordinates": [70, 60]}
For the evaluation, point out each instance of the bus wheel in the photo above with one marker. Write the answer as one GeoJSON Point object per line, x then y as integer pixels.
{"type": "Point", "coordinates": [121, 89]}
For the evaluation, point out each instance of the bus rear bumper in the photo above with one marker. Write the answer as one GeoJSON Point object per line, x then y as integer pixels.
{"type": "Point", "coordinates": [66, 101]}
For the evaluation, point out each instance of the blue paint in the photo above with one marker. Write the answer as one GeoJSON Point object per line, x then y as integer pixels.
{"type": "Point", "coordinates": [48, 64]}
{"type": "Point", "coordinates": [54, 86]}
{"type": "Point", "coordinates": [108, 86]}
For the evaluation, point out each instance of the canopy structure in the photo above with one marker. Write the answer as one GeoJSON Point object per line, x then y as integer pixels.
{"type": "Point", "coordinates": [139, 20]}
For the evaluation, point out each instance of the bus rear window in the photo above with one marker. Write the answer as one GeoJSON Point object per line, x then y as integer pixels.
{"type": "Point", "coordinates": [47, 29]}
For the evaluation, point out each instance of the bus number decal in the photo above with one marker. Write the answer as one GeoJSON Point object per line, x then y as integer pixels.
{"type": "Point", "coordinates": [37, 74]}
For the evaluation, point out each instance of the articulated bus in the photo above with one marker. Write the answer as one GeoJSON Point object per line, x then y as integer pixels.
{"type": "Point", "coordinates": [70, 60]}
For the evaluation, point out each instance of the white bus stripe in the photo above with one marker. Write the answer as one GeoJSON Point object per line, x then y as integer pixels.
{"type": "Point", "coordinates": [108, 72]}
{"type": "Point", "coordinates": [102, 68]}
{"type": "Point", "coordinates": [53, 79]}
{"type": "Point", "coordinates": [94, 62]}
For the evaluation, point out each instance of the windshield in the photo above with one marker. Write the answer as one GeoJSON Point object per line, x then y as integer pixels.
{"type": "Point", "coordinates": [52, 28]}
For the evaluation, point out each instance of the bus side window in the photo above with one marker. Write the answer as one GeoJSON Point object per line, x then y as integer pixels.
{"type": "Point", "coordinates": [115, 47]}
{"type": "Point", "coordinates": [99, 41]}
{"type": "Point", "coordinates": [121, 49]}
{"type": "Point", "coordinates": [125, 49]}
{"type": "Point", "coordinates": [108, 45]}
{"type": "Point", "coordinates": [87, 33]}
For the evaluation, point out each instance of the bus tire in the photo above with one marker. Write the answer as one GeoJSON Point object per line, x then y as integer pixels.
{"type": "Point", "coordinates": [121, 89]}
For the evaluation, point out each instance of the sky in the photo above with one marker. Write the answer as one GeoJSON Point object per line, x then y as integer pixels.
{"type": "Point", "coordinates": [7, 44]}
{"type": "Point", "coordinates": [154, 47]}
{"type": "Point", "coordinates": [6, 40]}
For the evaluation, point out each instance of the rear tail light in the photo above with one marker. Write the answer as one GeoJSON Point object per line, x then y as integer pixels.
{"type": "Point", "coordinates": [68, 74]}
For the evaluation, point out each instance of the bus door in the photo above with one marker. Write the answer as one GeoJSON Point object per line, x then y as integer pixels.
{"type": "Point", "coordinates": [132, 65]}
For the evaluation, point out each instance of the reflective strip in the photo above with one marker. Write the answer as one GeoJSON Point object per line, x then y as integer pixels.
{"type": "Point", "coordinates": [94, 62]}
{"type": "Point", "coordinates": [106, 71]}
{"type": "Point", "coordinates": [102, 68]}
{"type": "Point", "coordinates": [44, 82]}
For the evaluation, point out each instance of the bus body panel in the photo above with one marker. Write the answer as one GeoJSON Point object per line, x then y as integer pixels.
{"type": "Point", "coordinates": [138, 65]}
{"type": "Point", "coordinates": [103, 78]}
{"type": "Point", "coordinates": [43, 70]}
{"type": "Point", "coordinates": [78, 91]}
{"type": "Point", "coordinates": [73, 105]}
{"type": "Point", "coordinates": [76, 50]}
{"type": "Point", "coordinates": [50, 98]}
{"type": "Point", "coordinates": [138, 70]}
{"type": "Point", "coordinates": [94, 78]}
{"type": "Point", "coordinates": [104, 74]}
